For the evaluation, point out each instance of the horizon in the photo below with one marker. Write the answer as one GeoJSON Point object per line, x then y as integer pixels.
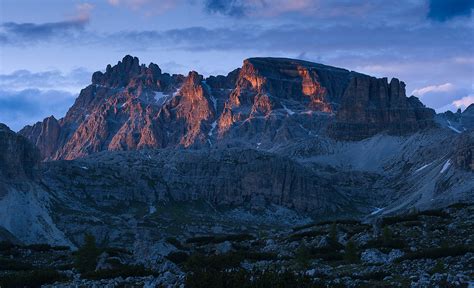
{"type": "Point", "coordinates": [50, 53]}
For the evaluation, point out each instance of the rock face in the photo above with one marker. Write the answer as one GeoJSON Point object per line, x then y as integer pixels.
{"type": "Point", "coordinates": [18, 157]}
{"type": "Point", "coordinates": [370, 105]}
{"type": "Point", "coordinates": [267, 101]}
{"type": "Point", "coordinates": [231, 177]}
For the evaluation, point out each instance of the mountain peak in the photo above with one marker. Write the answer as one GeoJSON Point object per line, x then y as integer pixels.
{"type": "Point", "coordinates": [120, 74]}
{"type": "Point", "coordinates": [130, 106]}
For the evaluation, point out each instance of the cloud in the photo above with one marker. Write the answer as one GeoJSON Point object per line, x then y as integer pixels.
{"type": "Point", "coordinates": [20, 108]}
{"type": "Point", "coordinates": [147, 7]}
{"type": "Point", "coordinates": [464, 102]}
{"type": "Point", "coordinates": [447, 87]}
{"type": "Point", "coordinates": [72, 81]}
{"type": "Point", "coordinates": [241, 8]}
{"type": "Point", "coordinates": [83, 12]}
{"type": "Point", "coordinates": [444, 10]}
{"type": "Point", "coordinates": [21, 33]}
{"type": "Point", "coordinates": [443, 97]}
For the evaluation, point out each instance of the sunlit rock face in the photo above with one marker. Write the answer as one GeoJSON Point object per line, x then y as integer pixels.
{"type": "Point", "coordinates": [131, 106]}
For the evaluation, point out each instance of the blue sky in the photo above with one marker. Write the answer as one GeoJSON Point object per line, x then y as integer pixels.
{"type": "Point", "coordinates": [49, 48]}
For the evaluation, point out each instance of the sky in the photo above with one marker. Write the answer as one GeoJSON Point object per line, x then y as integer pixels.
{"type": "Point", "coordinates": [50, 48]}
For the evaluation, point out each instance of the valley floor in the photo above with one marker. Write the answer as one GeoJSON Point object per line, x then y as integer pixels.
{"type": "Point", "coordinates": [433, 248]}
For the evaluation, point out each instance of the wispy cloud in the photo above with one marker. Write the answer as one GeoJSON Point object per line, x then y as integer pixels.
{"type": "Point", "coordinates": [464, 102]}
{"type": "Point", "coordinates": [147, 7]}
{"type": "Point", "coordinates": [72, 81]}
{"type": "Point", "coordinates": [20, 108]}
{"type": "Point", "coordinates": [13, 33]}
{"type": "Point", "coordinates": [447, 87]}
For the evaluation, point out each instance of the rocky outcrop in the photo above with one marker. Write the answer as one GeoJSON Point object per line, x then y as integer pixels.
{"type": "Point", "coordinates": [269, 100]}
{"type": "Point", "coordinates": [18, 157]}
{"type": "Point", "coordinates": [45, 135]}
{"type": "Point", "coordinates": [222, 177]}
{"type": "Point", "coordinates": [188, 116]}
{"type": "Point", "coordinates": [370, 105]}
{"type": "Point", "coordinates": [464, 152]}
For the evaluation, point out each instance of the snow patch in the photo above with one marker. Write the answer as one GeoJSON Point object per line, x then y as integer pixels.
{"type": "Point", "coordinates": [214, 102]}
{"type": "Point", "coordinates": [377, 211]}
{"type": "Point", "coordinates": [159, 95]}
{"type": "Point", "coordinates": [84, 167]}
{"type": "Point", "coordinates": [422, 167]}
{"type": "Point", "coordinates": [445, 166]}
{"type": "Point", "coordinates": [152, 209]}
{"type": "Point", "coordinates": [289, 111]}
{"type": "Point", "coordinates": [450, 126]}
{"type": "Point", "coordinates": [213, 125]}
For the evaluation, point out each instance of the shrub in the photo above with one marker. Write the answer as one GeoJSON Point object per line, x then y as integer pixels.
{"type": "Point", "coordinates": [6, 246]}
{"type": "Point", "coordinates": [115, 251]}
{"type": "Point", "coordinates": [302, 256]}
{"type": "Point", "coordinates": [435, 253]}
{"type": "Point", "coordinates": [438, 268]}
{"type": "Point", "coordinates": [233, 238]}
{"type": "Point", "coordinates": [197, 262]}
{"type": "Point", "coordinates": [351, 254]}
{"type": "Point", "coordinates": [122, 271]}
{"type": "Point", "coordinates": [39, 247]}
{"type": "Point", "coordinates": [375, 275]}
{"type": "Point", "coordinates": [398, 219]}
{"type": "Point", "coordinates": [175, 242]}
{"type": "Point", "coordinates": [310, 234]}
{"type": "Point", "coordinates": [178, 257]}
{"type": "Point", "coordinates": [86, 256]}
{"type": "Point", "coordinates": [201, 240]}
{"type": "Point", "coordinates": [434, 213]}
{"type": "Point", "coordinates": [340, 221]}
{"type": "Point", "coordinates": [245, 279]}
{"type": "Point", "coordinates": [387, 235]}
{"type": "Point", "coordinates": [35, 278]}
{"type": "Point", "coordinates": [14, 265]}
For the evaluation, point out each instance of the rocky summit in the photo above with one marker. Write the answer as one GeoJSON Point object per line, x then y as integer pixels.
{"type": "Point", "coordinates": [269, 100]}
{"type": "Point", "coordinates": [282, 171]}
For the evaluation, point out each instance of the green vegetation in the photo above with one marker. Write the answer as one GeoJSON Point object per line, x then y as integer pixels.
{"type": "Point", "coordinates": [121, 271]}
{"type": "Point", "coordinates": [435, 253]}
{"type": "Point", "coordinates": [244, 279]}
{"type": "Point", "coordinates": [302, 256]}
{"type": "Point", "coordinates": [178, 257]}
{"type": "Point", "coordinates": [414, 216]}
{"type": "Point", "coordinates": [175, 242]}
{"type": "Point", "coordinates": [14, 265]}
{"type": "Point", "coordinates": [204, 240]}
{"type": "Point", "coordinates": [86, 256]}
{"type": "Point", "coordinates": [438, 268]}
{"type": "Point", "coordinates": [34, 278]}
{"type": "Point", "coordinates": [309, 234]}
{"type": "Point", "coordinates": [351, 254]}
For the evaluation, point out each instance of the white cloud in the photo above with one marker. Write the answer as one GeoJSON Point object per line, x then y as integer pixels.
{"type": "Point", "coordinates": [447, 87]}
{"type": "Point", "coordinates": [464, 102]}
{"type": "Point", "coordinates": [83, 11]}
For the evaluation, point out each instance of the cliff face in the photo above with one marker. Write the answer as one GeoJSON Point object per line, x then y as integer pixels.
{"type": "Point", "coordinates": [18, 157]}
{"type": "Point", "coordinates": [268, 100]}
{"type": "Point", "coordinates": [370, 105]}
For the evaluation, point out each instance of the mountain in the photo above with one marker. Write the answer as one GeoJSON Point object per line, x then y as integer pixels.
{"type": "Point", "coordinates": [162, 166]}
{"type": "Point", "coordinates": [268, 101]}
{"type": "Point", "coordinates": [273, 143]}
